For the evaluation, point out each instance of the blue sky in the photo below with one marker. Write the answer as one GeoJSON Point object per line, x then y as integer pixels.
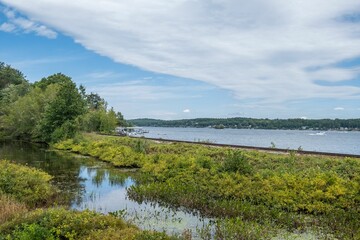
{"type": "Point", "coordinates": [188, 59]}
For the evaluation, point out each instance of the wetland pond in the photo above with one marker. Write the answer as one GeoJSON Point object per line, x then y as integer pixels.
{"type": "Point", "coordinates": [87, 183]}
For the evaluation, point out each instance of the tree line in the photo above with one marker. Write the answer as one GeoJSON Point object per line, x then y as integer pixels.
{"type": "Point", "coordinates": [254, 123]}
{"type": "Point", "coordinates": [51, 109]}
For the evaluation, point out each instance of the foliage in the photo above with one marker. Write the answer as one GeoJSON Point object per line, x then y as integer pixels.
{"type": "Point", "coordinates": [57, 78]}
{"type": "Point", "coordinates": [236, 162]}
{"type": "Point", "coordinates": [23, 117]}
{"type": "Point", "coordinates": [119, 156]}
{"type": "Point", "coordinates": [291, 191]}
{"type": "Point", "coordinates": [94, 101]}
{"type": "Point", "coordinates": [9, 75]}
{"type": "Point", "coordinates": [51, 109]}
{"type": "Point", "coordinates": [12, 86]}
{"type": "Point", "coordinates": [59, 223]}
{"type": "Point", "coordinates": [12, 93]}
{"type": "Point", "coordinates": [296, 123]}
{"type": "Point", "coordinates": [27, 185]}
{"type": "Point", "coordinates": [121, 120]}
{"type": "Point", "coordinates": [9, 208]}
{"type": "Point", "coordinates": [62, 110]}
{"type": "Point", "coordinates": [236, 228]}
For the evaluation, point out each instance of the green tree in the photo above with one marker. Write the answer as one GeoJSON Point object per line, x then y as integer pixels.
{"type": "Point", "coordinates": [99, 121]}
{"type": "Point", "coordinates": [108, 121]}
{"type": "Point", "coordinates": [121, 121]}
{"type": "Point", "coordinates": [94, 101]}
{"type": "Point", "coordinates": [24, 115]}
{"type": "Point", "coordinates": [9, 75]}
{"type": "Point", "coordinates": [65, 108]}
{"type": "Point", "coordinates": [58, 78]}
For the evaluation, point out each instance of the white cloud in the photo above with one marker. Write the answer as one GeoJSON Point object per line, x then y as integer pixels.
{"type": "Point", "coordinates": [7, 27]}
{"type": "Point", "coordinates": [138, 90]}
{"type": "Point", "coordinates": [339, 109]}
{"type": "Point", "coordinates": [266, 50]}
{"type": "Point", "coordinates": [186, 111]}
{"type": "Point", "coordinates": [20, 24]}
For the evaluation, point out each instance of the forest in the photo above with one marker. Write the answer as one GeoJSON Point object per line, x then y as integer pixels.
{"type": "Point", "coordinates": [254, 123]}
{"type": "Point", "coordinates": [50, 109]}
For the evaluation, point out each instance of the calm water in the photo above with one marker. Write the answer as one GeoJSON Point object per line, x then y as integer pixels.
{"type": "Point", "coordinates": [89, 184]}
{"type": "Point", "coordinates": [329, 141]}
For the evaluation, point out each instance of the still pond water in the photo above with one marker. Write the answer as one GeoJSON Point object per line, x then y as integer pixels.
{"type": "Point", "coordinates": [324, 141]}
{"type": "Point", "coordinates": [90, 184]}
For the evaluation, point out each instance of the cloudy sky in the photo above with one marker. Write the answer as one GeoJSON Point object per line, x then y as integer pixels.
{"type": "Point", "coordinates": [173, 59]}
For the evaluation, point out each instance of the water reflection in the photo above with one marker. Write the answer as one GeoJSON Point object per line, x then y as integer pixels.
{"type": "Point", "coordinates": [89, 184]}
{"type": "Point", "coordinates": [106, 191]}
{"type": "Point", "coordinates": [64, 168]}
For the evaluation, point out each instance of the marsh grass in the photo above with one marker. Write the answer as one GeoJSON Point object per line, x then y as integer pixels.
{"type": "Point", "coordinates": [23, 219]}
{"type": "Point", "coordinates": [10, 208]}
{"type": "Point", "coordinates": [287, 192]}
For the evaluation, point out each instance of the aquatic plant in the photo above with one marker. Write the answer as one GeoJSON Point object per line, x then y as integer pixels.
{"type": "Point", "coordinates": [26, 184]}
{"type": "Point", "coordinates": [59, 223]}
{"type": "Point", "coordinates": [283, 191]}
{"type": "Point", "coordinates": [9, 208]}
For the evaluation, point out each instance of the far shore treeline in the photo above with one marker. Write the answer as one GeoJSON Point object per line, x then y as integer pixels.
{"type": "Point", "coordinates": [254, 123]}
{"type": "Point", "coordinates": [51, 109]}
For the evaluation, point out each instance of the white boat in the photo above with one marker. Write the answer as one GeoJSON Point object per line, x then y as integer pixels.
{"type": "Point", "coordinates": [318, 134]}
{"type": "Point", "coordinates": [131, 131]}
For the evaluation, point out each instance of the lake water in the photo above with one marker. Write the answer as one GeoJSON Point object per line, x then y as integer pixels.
{"type": "Point", "coordinates": [87, 183]}
{"type": "Point", "coordinates": [327, 141]}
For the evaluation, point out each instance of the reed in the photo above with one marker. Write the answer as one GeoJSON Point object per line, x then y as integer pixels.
{"type": "Point", "coordinates": [9, 208]}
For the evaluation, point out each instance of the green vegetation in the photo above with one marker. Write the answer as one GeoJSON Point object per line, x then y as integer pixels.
{"type": "Point", "coordinates": [22, 188]}
{"type": "Point", "coordinates": [251, 194]}
{"type": "Point", "coordinates": [268, 193]}
{"type": "Point", "coordinates": [51, 109]}
{"type": "Point", "coordinates": [27, 185]}
{"type": "Point", "coordinates": [220, 123]}
{"type": "Point", "coordinates": [31, 188]}
{"type": "Point", "coordinates": [59, 223]}
{"type": "Point", "coordinates": [10, 208]}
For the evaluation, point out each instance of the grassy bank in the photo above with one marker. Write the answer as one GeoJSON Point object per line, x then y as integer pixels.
{"type": "Point", "coordinates": [23, 190]}
{"type": "Point", "coordinates": [259, 194]}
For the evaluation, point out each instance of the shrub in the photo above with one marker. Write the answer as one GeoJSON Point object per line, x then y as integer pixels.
{"type": "Point", "coordinates": [73, 225]}
{"type": "Point", "coordinates": [236, 161]}
{"type": "Point", "coordinates": [25, 184]}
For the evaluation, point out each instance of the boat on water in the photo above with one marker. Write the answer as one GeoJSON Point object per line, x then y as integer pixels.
{"type": "Point", "coordinates": [131, 131]}
{"type": "Point", "coordinates": [318, 134]}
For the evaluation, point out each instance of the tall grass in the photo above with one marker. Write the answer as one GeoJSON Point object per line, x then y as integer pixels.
{"type": "Point", "coordinates": [10, 208]}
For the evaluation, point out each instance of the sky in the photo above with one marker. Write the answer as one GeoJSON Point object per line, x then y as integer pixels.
{"type": "Point", "coordinates": [176, 59]}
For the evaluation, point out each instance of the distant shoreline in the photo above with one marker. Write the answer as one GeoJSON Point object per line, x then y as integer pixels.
{"type": "Point", "coordinates": [319, 130]}
{"type": "Point", "coordinates": [253, 123]}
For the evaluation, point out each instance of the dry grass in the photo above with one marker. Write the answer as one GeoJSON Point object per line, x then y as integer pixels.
{"type": "Point", "coordinates": [10, 208]}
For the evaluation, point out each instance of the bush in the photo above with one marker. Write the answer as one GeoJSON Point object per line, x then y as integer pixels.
{"type": "Point", "coordinates": [25, 184]}
{"type": "Point", "coordinates": [67, 130]}
{"type": "Point", "coordinates": [32, 232]}
{"type": "Point", "coordinates": [73, 225]}
{"type": "Point", "coordinates": [256, 186]}
{"type": "Point", "coordinates": [236, 161]}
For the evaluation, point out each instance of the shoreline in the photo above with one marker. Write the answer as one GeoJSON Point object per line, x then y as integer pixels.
{"type": "Point", "coordinates": [266, 149]}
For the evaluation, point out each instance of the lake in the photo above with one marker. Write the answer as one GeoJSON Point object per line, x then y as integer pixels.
{"type": "Point", "coordinates": [325, 141]}
{"type": "Point", "coordinates": [87, 183]}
